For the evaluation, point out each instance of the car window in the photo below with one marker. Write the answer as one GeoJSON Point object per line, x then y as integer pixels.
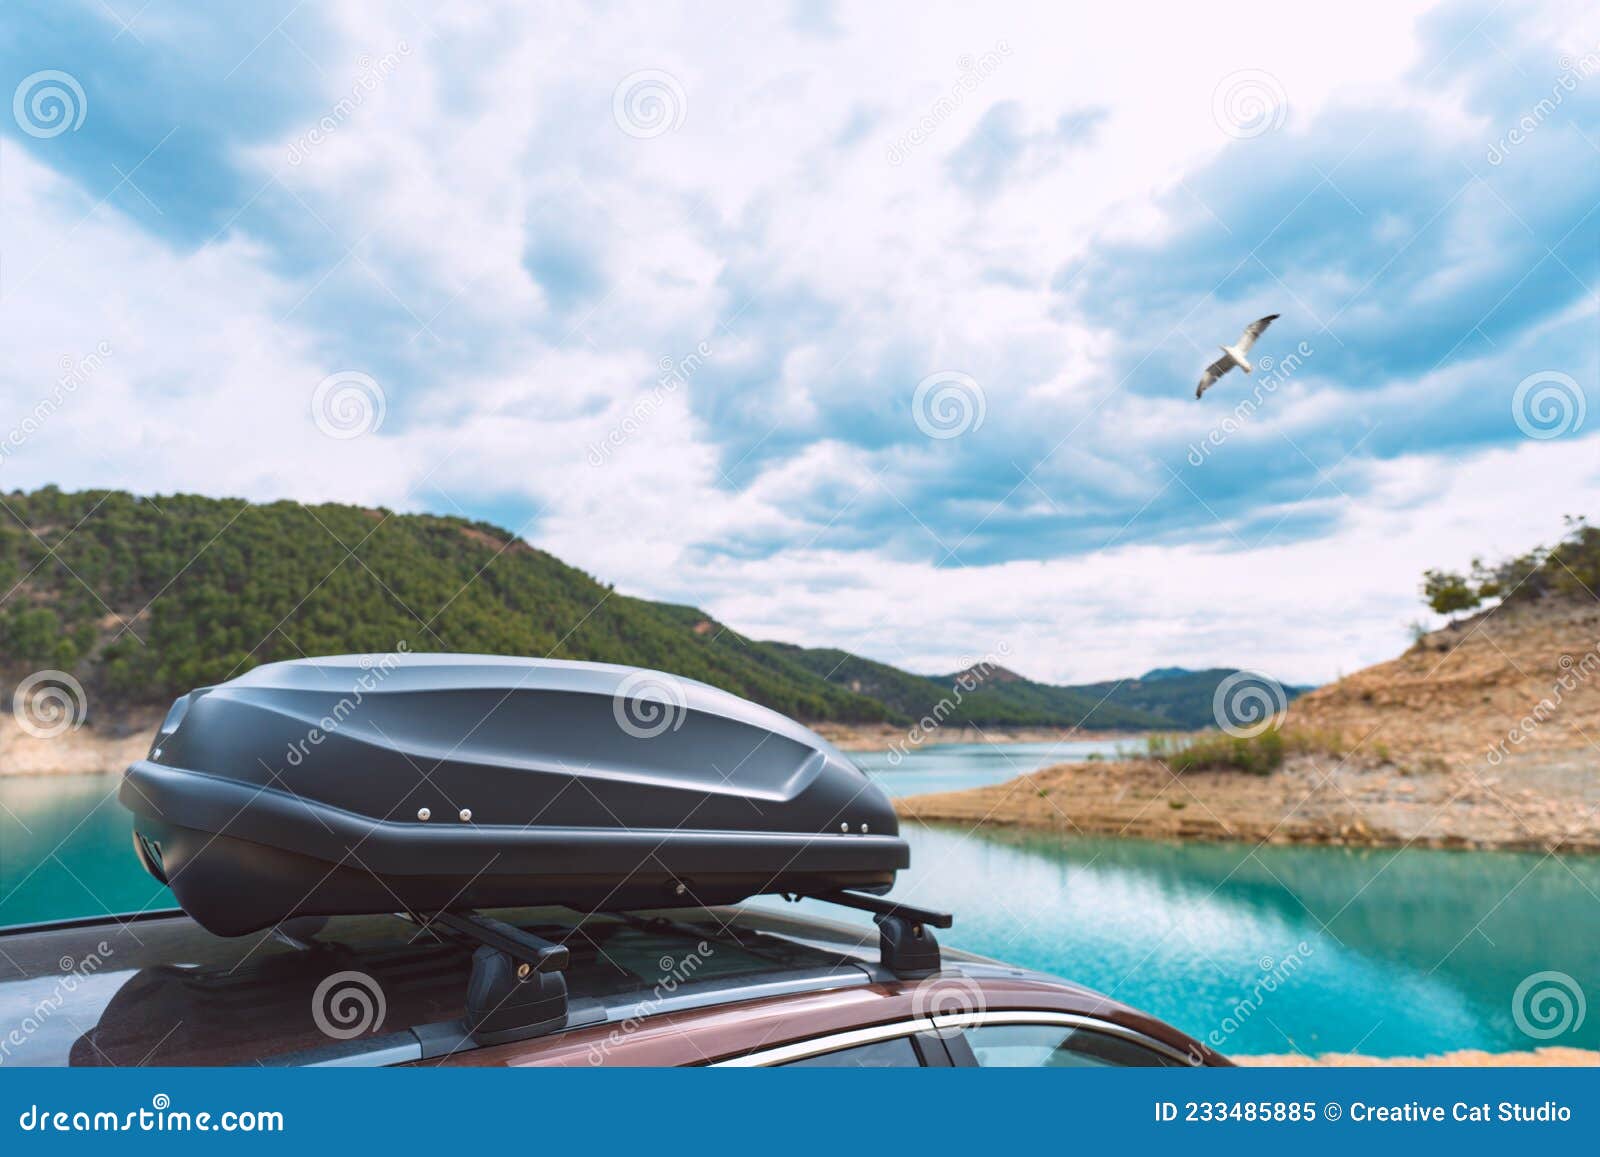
{"type": "Point", "coordinates": [898, 1053]}
{"type": "Point", "coordinates": [1057, 1046]}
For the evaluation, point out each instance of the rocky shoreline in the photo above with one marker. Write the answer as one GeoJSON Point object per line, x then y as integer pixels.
{"type": "Point", "coordinates": [1352, 800]}
{"type": "Point", "coordinates": [83, 750]}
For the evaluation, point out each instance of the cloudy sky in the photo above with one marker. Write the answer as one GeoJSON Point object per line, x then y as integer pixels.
{"type": "Point", "coordinates": [935, 288]}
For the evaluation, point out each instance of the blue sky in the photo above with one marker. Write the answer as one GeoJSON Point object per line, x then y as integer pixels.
{"type": "Point", "coordinates": [270, 224]}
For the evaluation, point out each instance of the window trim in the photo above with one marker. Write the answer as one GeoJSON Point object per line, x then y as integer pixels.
{"type": "Point", "coordinates": [943, 1023]}
{"type": "Point", "coordinates": [833, 1042]}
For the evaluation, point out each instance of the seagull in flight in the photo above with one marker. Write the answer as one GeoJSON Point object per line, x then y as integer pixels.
{"type": "Point", "coordinates": [1234, 355]}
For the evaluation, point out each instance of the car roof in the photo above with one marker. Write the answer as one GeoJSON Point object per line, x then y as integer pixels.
{"type": "Point", "coordinates": [158, 989]}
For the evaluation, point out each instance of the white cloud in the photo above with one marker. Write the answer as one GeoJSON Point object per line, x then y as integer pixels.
{"type": "Point", "coordinates": [491, 133]}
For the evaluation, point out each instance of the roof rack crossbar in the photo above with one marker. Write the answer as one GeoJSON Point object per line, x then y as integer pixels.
{"type": "Point", "coordinates": [541, 954]}
{"type": "Point", "coordinates": [882, 906]}
{"type": "Point", "coordinates": [906, 945]}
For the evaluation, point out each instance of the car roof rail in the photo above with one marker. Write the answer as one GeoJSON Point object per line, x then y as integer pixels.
{"type": "Point", "coordinates": [907, 946]}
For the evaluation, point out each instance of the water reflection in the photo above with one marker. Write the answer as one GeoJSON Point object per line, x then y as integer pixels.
{"type": "Point", "coordinates": [1404, 951]}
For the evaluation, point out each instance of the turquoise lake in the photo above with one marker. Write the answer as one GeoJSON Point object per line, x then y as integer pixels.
{"type": "Point", "coordinates": [1378, 951]}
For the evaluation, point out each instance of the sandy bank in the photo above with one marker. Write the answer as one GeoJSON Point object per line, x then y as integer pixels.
{"type": "Point", "coordinates": [1310, 800]}
{"type": "Point", "coordinates": [86, 750]}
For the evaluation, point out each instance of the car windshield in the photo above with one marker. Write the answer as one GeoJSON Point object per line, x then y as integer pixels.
{"type": "Point", "coordinates": [165, 992]}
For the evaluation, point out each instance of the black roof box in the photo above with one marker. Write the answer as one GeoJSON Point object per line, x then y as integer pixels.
{"type": "Point", "coordinates": [405, 782]}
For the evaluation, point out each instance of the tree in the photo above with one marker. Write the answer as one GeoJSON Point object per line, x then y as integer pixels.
{"type": "Point", "coordinates": [1448, 592]}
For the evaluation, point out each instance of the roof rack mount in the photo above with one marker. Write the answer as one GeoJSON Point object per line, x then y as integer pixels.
{"type": "Point", "coordinates": [517, 988]}
{"type": "Point", "coordinates": [907, 946]}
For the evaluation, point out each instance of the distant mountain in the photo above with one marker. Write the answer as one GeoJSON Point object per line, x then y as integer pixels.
{"type": "Point", "coordinates": [1181, 697]}
{"type": "Point", "coordinates": [1156, 673]}
{"type": "Point", "coordinates": [984, 673]}
{"type": "Point", "coordinates": [985, 696]}
{"type": "Point", "coordinates": [141, 599]}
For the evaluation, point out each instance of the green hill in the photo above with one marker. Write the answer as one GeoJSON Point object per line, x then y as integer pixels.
{"type": "Point", "coordinates": [141, 599]}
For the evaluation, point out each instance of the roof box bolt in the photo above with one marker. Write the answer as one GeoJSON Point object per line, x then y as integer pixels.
{"type": "Point", "coordinates": [863, 829]}
{"type": "Point", "coordinates": [466, 815]}
{"type": "Point", "coordinates": [680, 888]}
{"type": "Point", "coordinates": [424, 814]}
{"type": "Point", "coordinates": [844, 828]}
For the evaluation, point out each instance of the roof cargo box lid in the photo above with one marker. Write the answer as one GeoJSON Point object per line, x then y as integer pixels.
{"type": "Point", "coordinates": [372, 782]}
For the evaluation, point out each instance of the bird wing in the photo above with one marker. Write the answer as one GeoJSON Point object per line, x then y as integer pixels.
{"type": "Point", "coordinates": [1254, 330]}
{"type": "Point", "coordinates": [1214, 371]}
